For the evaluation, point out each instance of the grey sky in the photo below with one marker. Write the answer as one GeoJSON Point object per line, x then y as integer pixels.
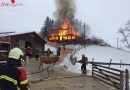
{"type": "Point", "coordinates": [105, 17]}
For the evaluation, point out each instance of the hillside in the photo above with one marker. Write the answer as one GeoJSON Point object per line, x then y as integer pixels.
{"type": "Point", "coordinates": [100, 54]}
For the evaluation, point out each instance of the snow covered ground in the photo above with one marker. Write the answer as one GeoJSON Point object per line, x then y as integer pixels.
{"type": "Point", "coordinates": [99, 53]}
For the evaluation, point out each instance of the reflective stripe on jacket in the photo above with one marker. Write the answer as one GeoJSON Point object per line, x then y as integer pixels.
{"type": "Point", "coordinates": [13, 78]}
{"type": "Point", "coordinates": [10, 80]}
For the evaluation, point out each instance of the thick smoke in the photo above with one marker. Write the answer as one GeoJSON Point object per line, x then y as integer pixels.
{"type": "Point", "coordinates": [65, 9]}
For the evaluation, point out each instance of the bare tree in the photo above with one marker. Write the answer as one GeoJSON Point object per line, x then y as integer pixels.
{"type": "Point", "coordinates": [126, 34]}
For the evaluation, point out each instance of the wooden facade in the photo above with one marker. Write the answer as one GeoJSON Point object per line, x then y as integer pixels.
{"type": "Point", "coordinates": [62, 35]}
{"type": "Point", "coordinates": [28, 40]}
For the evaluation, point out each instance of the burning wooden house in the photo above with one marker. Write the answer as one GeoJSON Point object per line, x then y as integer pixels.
{"type": "Point", "coordinates": [66, 33]}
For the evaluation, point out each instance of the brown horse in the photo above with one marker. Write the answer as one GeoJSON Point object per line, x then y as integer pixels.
{"type": "Point", "coordinates": [48, 60]}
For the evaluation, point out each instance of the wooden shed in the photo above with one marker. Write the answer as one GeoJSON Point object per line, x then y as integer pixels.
{"type": "Point", "coordinates": [28, 40]}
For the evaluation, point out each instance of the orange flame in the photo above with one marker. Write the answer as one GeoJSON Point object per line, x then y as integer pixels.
{"type": "Point", "coordinates": [66, 33]}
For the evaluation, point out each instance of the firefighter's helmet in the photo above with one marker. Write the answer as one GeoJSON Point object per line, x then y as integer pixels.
{"type": "Point", "coordinates": [15, 53]}
{"type": "Point", "coordinates": [48, 49]}
{"type": "Point", "coordinates": [83, 55]}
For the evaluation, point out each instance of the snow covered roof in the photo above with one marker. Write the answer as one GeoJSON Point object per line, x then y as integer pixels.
{"type": "Point", "coordinates": [18, 34]}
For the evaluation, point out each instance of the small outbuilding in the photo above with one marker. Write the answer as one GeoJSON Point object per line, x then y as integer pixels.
{"type": "Point", "coordinates": [31, 43]}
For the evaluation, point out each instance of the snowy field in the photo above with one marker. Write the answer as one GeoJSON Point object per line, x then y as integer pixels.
{"type": "Point", "coordinates": [99, 53]}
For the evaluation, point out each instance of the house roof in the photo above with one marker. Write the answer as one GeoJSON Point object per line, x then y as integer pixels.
{"type": "Point", "coordinates": [34, 33]}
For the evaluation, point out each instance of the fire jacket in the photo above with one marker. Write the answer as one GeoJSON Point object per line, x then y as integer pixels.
{"type": "Point", "coordinates": [13, 77]}
{"type": "Point", "coordinates": [84, 60]}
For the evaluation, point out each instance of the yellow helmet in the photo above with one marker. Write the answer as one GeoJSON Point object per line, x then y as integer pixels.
{"type": "Point", "coordinates": [15, 53]}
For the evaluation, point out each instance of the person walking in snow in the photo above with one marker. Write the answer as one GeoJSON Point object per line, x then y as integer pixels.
{"type": "Point", "coordinates": [58, 50]}
{"type": "Point", "coordinates": [64, 46]}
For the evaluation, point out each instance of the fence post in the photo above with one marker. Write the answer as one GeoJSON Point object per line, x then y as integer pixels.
{"type": "Point", "coordinates": [92, 69]}
{"type": "Point", "coordinates": [127, 79]}
{"type": "Point", "coordinates": [120, 63]}
{"type": "Point", "coordinates": [121, 80]}
{"type": "Point", "coordinates": [92, 66]}
{"type": "Point", "coordinates": [110, 63]}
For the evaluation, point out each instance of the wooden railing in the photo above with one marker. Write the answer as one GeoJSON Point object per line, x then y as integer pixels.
{"type": "Point", "coordinates": [116, 78]}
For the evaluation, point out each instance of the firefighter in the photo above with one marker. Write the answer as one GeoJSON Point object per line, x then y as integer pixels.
{"type": "Point", "coordinates": [49, 52]}
{"type": "Point", "coordinates": [28, 51]}
{"type": "Point", "coordinates": [84, 61]}
{"type": "Point", "coordinates": [12, 75]}
{"type": "Point", "coordinates": [64, 46]}
{"type": "Point", "coordinates": [58, 50]}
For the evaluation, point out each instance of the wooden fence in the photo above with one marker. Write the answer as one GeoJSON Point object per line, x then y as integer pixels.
{"type": "Point", "coordinates": [116, 78]}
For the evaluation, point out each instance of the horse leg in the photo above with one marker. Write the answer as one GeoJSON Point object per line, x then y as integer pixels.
{"type": "Point", "coordinates": [40, 66]}
{"type": "Point", "coordinates": [52, 65]}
